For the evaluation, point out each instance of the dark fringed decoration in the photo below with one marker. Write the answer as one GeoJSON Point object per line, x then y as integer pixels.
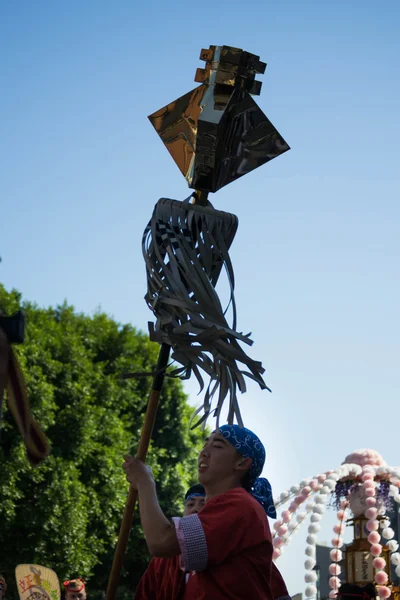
{"type": "Point", "coordinates": [341, 491]}
{"type": "Point", "coordinates": [185, 247]}
{"type": "Point", "coordinates": [382, 493]}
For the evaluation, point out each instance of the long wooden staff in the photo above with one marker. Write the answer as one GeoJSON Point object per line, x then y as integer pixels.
{"type": "Point", "coordinates": [211, 153]}
{"type": "Point", "coordinates": [144, 442]}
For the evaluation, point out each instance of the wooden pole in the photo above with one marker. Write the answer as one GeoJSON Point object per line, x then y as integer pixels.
{"type": "Point", "coordinates": [144, 442]}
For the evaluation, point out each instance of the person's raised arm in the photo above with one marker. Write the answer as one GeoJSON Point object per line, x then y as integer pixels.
{"type": "Point", "coordinates": [159, 532]}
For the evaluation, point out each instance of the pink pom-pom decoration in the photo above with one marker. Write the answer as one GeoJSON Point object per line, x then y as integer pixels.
{"type": "Point", "coordinates": [277, 524]}
{"type": "Point", "coordinates": [336, 555]}
{"type": "Point", "coordinates": [321, 478]}
{"type": "Point", "coordinates": [337, 529]}
{"type": "Point", "coordinates": [340, 515]}
{"type": "Point", "coordinates": [282, 530]}
{"type": "Point", "coordinates": [379, 563]}
{"type": "Point", "coordinates": [376, 549]}
{"type": "Point", "coordinates": [286, 516]}
{"type": "Point", "coordinates": [365, 457]}
{"type": "Point", "coordinates": [332, 594]}
{"type": "Point", "coordinates": [334, 583]}
{"type": "Point", "coordinates": [384, 592]}
{"type": "Point", "coordinates": [370, 501]}
{"type": "Point", "coordinates": [278, 542]}
{"type": "Point", "coordinates": [372, 525]}
{"type": "Point", "coordinates": [381, 577]}
{"type": "Point", "coordinates": [370, 491]}
{"type": "Point", "coordinates": [374, 537]}
{"type": "Point", "coordinates": [276, 554]}
{"type": "Point", "coordinates": [313, 484]}
{"type": "Point", "coordinates": [334, 569]}
{"type": "Point", "coordinates": [371, 513]}
{"type": "Point", "coordinates": [337, 542]}
{"type": "Point", "coordinates": [367, 477]}
{"type": "Point", "coordinates": [306, 491]}
{"type": "Point", "coordinates": [293, 507]}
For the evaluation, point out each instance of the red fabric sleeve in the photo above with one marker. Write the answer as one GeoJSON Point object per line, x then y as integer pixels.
{"type": "Point", "coordinates": [148, 584]}
{"type": "Point", "coordinates": [233, 522]}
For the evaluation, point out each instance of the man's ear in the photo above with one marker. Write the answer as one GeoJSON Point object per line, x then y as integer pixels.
{"type": "Point", "coordinates": [243, 464]}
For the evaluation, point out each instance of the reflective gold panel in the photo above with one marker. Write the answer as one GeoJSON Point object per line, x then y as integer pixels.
{"type": "Point", "coordinates": [216, 133]}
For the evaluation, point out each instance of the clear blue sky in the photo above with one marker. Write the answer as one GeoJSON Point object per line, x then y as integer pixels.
{"type": "Point", "coordinates": [317, 254]}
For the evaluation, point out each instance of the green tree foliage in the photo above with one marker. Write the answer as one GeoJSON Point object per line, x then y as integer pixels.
{"type": "Point", "coordinates": [65, 514]}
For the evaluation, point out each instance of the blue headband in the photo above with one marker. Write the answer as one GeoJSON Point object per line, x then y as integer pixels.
{"type": "Point", "coordinates": [249, 446]}
{"type": "Point", "coordinates": [194, 496]}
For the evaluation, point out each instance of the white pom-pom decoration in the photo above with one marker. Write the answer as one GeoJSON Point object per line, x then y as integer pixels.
{"type": "Point", "coordinates": [397, 570]}
{"type": "Point", "coordinates": [395, 558]}
{"type": "Point", "coordinates": [300, 517]}
{"type": "Point", "coordinates": [329, 483]}
{"type": "Point", "coordinates": [325, 490]}
{"type": "Point", "coordinates": [314, 528]}
{"type": "Point", "coordinates": [319, 508]}
{"type": "Point", "coordinates": [312, 539]}
{"type": "Point", "coordinates": [310, 505]}
{"type": "Point", "coordinates": [284, 496]}
{"type": "Point", "coordinates": [397, 499]}
{"type": "Point", "coordinates": [393, 490]}
{"type": "Point", "coordinates": [292, 526]}
{"type": "Point", "coordinates": [393, 545]}
{"type": "Point", "coordinates": [310, 577]}
{"type": "Point", "coordinates": [305, 482]}
{"type": "Point", "coordinates": [310, 551]}
{"type": "Point", "coordinates": [294, 489]}
{"type": "Point", "coordinates": [309, 564]}
{"type": "Point", "coordinates": [388, 533]}
{"type": "Point", "coordinates": [319, 499]}
{"type": "Point", "coordinates": [384, 523]}
{"type": "Point", "coordinates": [315, 518]}
{"type": "Point", "coordinates": [310, 591]}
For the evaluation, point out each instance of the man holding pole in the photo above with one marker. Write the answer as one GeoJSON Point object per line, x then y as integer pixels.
{"type": "Point", "coordinates": [227, 547]}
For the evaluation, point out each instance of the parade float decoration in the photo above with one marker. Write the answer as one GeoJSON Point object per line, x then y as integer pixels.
{"type": "Point", "coordinates": [362, 490]}
{"type": "Point", "coordinates": [215, 133]}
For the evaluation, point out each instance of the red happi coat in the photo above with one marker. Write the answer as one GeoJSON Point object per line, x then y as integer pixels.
{"type": "Point", "coordinates": [234, 548]}
{"type": "Point", "coordinates": [163, 580]}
